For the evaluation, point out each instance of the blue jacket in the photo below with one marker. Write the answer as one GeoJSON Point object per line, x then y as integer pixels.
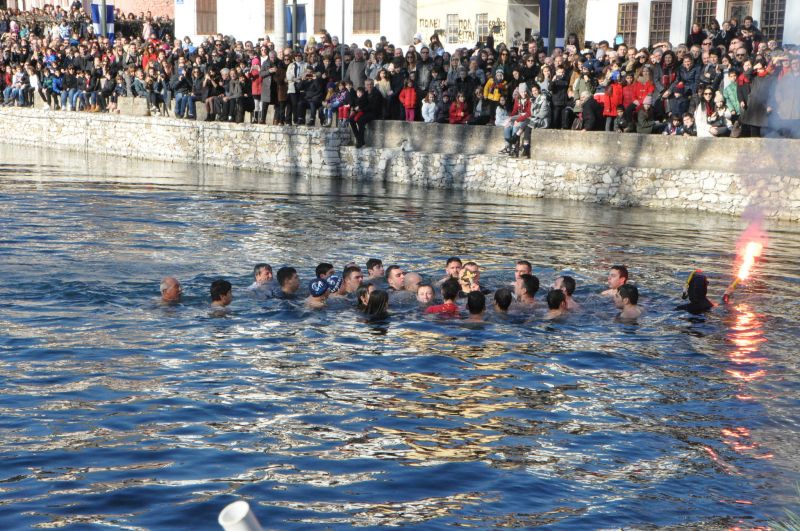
{"type": "Point", "coordinates": [58, 84]}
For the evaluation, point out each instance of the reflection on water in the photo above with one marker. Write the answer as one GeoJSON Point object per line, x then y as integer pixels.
{"type": "Point", "coordinates": [120, 412]}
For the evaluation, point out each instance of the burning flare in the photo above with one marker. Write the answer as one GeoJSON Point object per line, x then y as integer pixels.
{"type": "Point", "coordinates": [751, 245]}
{"type": "Point", "coordinates": [751, 251]}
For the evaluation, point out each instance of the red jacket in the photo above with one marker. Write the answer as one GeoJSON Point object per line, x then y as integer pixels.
{"type": "Point", "coordinates": [524, 110]}
{"type": "Point", "coordinates": [255, 77]}
{"type": "Point", "coordinates": [613, 98]}
{"type": "Point", "coordinates": [408, 97]}
{"type": "Point", "coordinates": [458, 113]}
{"type": "Point", "coordinates": [641, 91]}
{"type": "Point", "coordinates": [628, 95]}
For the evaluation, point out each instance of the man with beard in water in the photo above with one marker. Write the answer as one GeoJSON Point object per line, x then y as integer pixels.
{"type": "Point", "coordinates": [696, 291]}
{"type": "Point", "coordinates": [627, 300]}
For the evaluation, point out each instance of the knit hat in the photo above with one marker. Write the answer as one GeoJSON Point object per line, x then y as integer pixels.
{"type": "Point", "coordinates": [648, 100]}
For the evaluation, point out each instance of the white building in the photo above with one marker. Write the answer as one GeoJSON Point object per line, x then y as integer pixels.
{"type": "Point", "coordinates": [458, 22]}
{"type": "Point", "coordinates": [251, 19]}
{"type": "Point", "coordinates": [645, 22]}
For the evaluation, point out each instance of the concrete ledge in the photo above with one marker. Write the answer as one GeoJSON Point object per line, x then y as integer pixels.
{"type": "Point", "coordinates": [753, 155]}
{"type": "Point", "coordinates": [133, 107]}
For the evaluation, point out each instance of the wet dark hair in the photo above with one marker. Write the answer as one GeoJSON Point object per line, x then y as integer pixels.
{"type": "Point", "coordinates": [630, 292]}
{"type": "Point", "coordinates": [261, 265]}
{"type": "Point", "coordinates": [378, 304]}
{"type": "Point", "coordinates": [219, 288]}
{"type": "Point", "coordinates": [569, 284]}
{"type": "Point", "coordinates": [362, 290]}
{"type": "Point", "coordinates": [453, 259]}
{"type": "Point", "coordinates": [323, 268]}
{"type": "Point", "coordinates": [476, 302]}
{"type": "Point", "coordinates": [285, 274]}
{"type": "Point", "coordinates": [372, 262]}
{"type": "Point", "coordinates": [555, 298]}
{"type": "Point", "coordinates": [450, 289]}
{"type": "Point", "coordinates": [623, 271]}
{"type": "Point", "coordinates": [349, 270]}
{"type": "Point", "coordinates": [526, 264]}
{"type": "Point", "coordinates": [531, 284]}
{"type": "Point", "coordinates": [503, 298]}
{"type": "Point", "coordinates": [390, 269]}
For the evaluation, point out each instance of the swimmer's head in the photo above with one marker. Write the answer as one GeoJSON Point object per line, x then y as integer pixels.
{"type": "Point", "coordinates": [170, 289]}
{"type": "Point", "coordinates": [626, 294]}
{"type": "Point", "coordinates": [324, 270]}
{"type": "Point", "coordinates": [334, 283]}
{"type": "Point", "coordinates": [412, 281]}
{"type": "Point", "coordinates": [566, 284]}
{"type": "Point", "coordinates": [362, 294]}
{"type": "Point", "coordinates": [262, 272]}
{"type": "Point", "coordinates": [502, 299]}
{"type": "Point", "coordinates": [522, 267]}
{"type": "Point", "coordinates": [617, 276]}
{"type": "Point", "coordinates": [696, 288]}
{"type": "Point", "coordinates": [453, 266]}
{"type": "Point", "coordinates": [318, 287]}
{"type": "Point", "coordinates": [476, 302]}
{"type": "Point", "coordinates": [221, 292]}
{"type": "Point", "coordinates": [556, 300]}
{"type": "Point", "coordinates": [425, 294]}
{"type": "Point", "coordinates": [375, 267]}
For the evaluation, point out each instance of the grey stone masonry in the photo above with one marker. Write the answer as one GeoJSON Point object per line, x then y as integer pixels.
{"type": "Point", "coordinates": [716, 175]}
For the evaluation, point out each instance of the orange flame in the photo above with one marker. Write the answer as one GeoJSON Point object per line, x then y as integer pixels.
{"type": "Point", "coordinates": [751, 251]}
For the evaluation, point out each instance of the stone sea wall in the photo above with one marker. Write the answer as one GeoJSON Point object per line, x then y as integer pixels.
{"type": "Point", "coordinates": [301, 151]}
{"type": "Point", "coordinates": [717, 175]}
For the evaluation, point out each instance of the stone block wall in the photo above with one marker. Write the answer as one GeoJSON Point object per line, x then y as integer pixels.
{"type": "Point", "coordinates": [717, 175]}
{"type": "Point", "coordinates": [299, 150]}
{"type": "Point", "coordinates": [721, 191]}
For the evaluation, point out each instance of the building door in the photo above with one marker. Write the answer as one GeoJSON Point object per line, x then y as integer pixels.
{"type": "Point", "coordinates": [739, 9]}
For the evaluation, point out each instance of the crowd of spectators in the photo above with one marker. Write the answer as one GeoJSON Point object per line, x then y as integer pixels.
{"type": "Point", "coordinates": [725, 80]}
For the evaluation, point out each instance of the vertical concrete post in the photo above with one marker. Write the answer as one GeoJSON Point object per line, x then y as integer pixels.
{"type": "Point", "coordinates": [643, 24]}
{"type": "Point", "coordinates": [280, 24]}
{"type": "Point", "coordinates": [679, 24]}
{"type": "Point", "coordinates": [757, 4]}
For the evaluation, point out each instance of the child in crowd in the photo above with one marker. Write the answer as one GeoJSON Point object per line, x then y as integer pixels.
{"type": "Point", "coordinates": [501, 114]}
{"type": "Point", "coordinates": [674, 126]}
{"type": "Point", "coordinates": [408, 97]}
{"type": "Point", "coordinates": [689, 127]}
{"type": "Point", "coordinates": [327, 103]}
{"type": "Point", "coordinates": [620, 122]}
{"type": "Point", "coordinates": [429, 108]}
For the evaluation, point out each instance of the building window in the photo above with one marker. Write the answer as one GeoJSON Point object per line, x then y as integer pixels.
{"type": "Point", "coordinates": [704, 12]}
{"type": "Point", "coordinates": [366, 16]}
{"type": "Point", "coordinates": [269, 16]}
{"type": "Point", "coordinates": [319, 15]}
{"type": "Point", "coordinates": [482, 26]}
{"type": "Point", "coordinates": [626, 22]}
{"type": "Point", "coordinates": [773, 13]}
{"type": "Point", "coordinates": [660, 18]}
{"type": "Point", "coordinates": [452, 29]}
{"type": "Point", "coordinates": [206, 17]}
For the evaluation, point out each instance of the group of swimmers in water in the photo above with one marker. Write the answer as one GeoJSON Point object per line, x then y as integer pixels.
{"type": "Point", "coordinates": [460, 290]}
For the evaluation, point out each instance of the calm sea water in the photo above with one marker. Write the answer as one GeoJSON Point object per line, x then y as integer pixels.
{"type": "Point", "coordinates": [117, 412]}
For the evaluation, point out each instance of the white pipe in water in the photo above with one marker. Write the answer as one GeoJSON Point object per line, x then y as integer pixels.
{"type": "Point", "coordinates": [237, 516]}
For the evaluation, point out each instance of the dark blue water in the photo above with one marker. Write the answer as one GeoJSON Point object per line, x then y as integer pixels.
{"type": "Point", "coordinates": [118, 412]}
